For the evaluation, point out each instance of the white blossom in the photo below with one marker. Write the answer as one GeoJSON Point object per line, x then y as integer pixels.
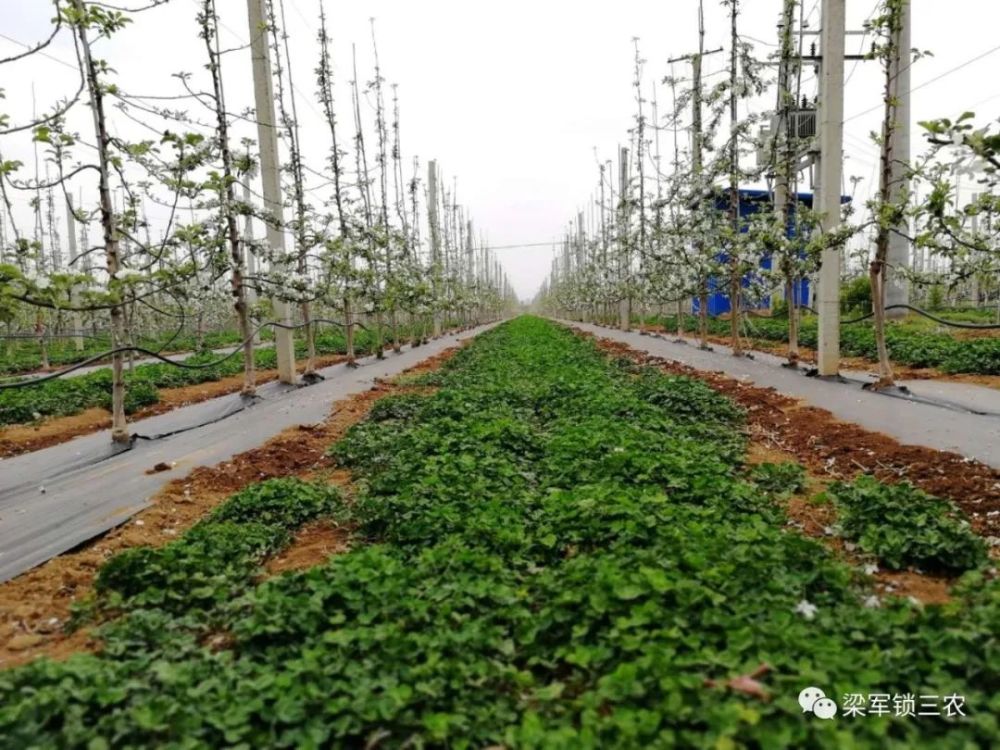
{"type": "Point", "coordinates": [807, 609]}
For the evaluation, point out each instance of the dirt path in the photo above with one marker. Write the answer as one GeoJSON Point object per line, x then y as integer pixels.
{"type": "Point", "coordinates": [35, 605]}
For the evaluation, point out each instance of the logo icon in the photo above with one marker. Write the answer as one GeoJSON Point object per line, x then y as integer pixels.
{"type": "Point", "coordinates": [813, 700]}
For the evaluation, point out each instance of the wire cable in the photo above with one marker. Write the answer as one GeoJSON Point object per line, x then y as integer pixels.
{"type": "Point", "coordinates": [936, 78]}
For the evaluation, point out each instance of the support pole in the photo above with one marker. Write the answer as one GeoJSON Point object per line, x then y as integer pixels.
{"type": "Point", "coordinates": [831, 112]}
{"type": "Point", "coordinates": [897, 291]}
{"type": "Point", "coordinates": [270, 174]}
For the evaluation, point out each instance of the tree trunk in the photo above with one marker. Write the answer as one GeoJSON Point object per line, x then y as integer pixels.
{"type": "Point", "coordinates": [310, 330]}
{"type": "Point", "coordinates": [703, 318]}
{"type": "Point", "coordinates": [878, 267]}
{"type": "Point", "coordinates": [43, 344]}
{"type": "Point", "coordinates": [876, 272]}
{"type": "Point", "coordinates": [734, 312]}
{"type": "Point", "coordinates": [228, 200]}
{"type": "Point", "coordinates": [379, 340]}
{"type": "Point", "coordinates": [349, 331]}
{"type": "Point", "coordinates": [119, 425]}
{"type": "Point", "coordinates": [793, 322]}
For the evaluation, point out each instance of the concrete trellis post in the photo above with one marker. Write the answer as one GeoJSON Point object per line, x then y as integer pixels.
{"type": "Point", "coordinates": [897, 290]}
{"type": "Point", "coordinates": [831, 136]}
{"type": "Point", "coordinates": [270, 173]}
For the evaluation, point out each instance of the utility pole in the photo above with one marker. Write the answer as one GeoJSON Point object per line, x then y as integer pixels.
{"type": "Point", "coordinates": [270, 174]}
{"type": "Point", "coordinates": [435, 229]}
{"type": "Point", "coordinates": [71, 237]}
{"type": "Point", "coordinates": [831, 138]}
{"type": "Point", "coordinates": [897, 291]}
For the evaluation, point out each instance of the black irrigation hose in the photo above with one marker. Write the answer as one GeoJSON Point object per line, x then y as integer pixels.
{"type": "Point", "coordinates": [156, 355]}
{"type": "Point", "coordinates": [911, 308]}
{"type": "Point", "coordinates": [180, 328]}
{"type": "Point", "coordinates": [755, 314]}
{"type": "Point", "coordinates": [936, 319]}
{"type": "Point", "coordinates": [355, 324]}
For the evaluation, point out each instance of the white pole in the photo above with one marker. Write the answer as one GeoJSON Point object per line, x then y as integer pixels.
{"type": "Point", "coordinates": [897, 290]}
{"type": "Point", "coordinates": [270, 174]}
{"type": "Point", "coordinates": [831, 112]}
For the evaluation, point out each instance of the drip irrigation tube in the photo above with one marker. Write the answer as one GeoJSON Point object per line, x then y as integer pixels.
{"type": "Point", "coordinates": [177, 333]}
{"type": "Point", "coordinates": [155, 355]}
{"type": "Point", "coordinates": [911, 308]}
{"type": "Point", "coordinates": [931, 316]}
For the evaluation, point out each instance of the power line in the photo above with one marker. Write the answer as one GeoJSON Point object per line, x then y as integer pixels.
{"type": "Point", "coordinates": [553, 243]}
{"type": "Point", "coordinates": [759, 41]}
{"type": "Point", "coordinates": [295, 88]}
{"type": "Point", "coordinates": [957, 68]}
{"type": "Point", "coordinates": [863, 38]}
{"type": "Point", "coordinates": [53, 58]}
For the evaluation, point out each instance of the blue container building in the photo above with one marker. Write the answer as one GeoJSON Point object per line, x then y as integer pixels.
{"type": "Point", "coordinates": [751, 201]}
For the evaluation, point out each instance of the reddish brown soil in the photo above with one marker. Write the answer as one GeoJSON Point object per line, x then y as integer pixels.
{"type": "Point", "coordinates": [811, 516]}
{"type": "Point", "coordinates": [969, 333]}
{"type": "Point", "coordinates": [832, 449]}
{"type": "Point", "coordinates": [841, 450]}
{"type": "Point", "coordinates": [34, 606]}
{"type": "Point", "coordinates": [18, 439]}
{"type": "Point", "coordinates": [313, 545]}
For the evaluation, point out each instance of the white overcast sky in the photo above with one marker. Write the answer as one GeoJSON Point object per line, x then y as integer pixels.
{"type": "Point", "coordinates": [511, 98]}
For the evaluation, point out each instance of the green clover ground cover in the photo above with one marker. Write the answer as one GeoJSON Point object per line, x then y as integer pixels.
{"type": "Point", "coordinates": [904, 526]}
{"type": "Point", "coordinates": [552, 551]}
